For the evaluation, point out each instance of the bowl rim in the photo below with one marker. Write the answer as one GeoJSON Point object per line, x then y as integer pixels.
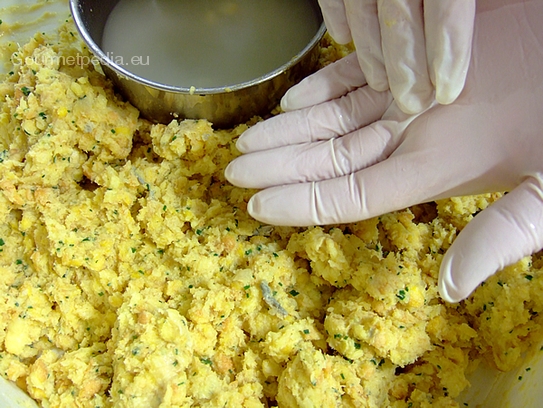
{"type": "Point", "coordinates": [103, 58]}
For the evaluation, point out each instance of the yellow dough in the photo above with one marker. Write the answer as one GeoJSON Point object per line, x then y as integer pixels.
{"type": "Point", "coordinates": [132, 276]}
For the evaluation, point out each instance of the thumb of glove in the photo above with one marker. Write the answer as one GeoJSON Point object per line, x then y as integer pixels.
{"type": "Point", "coordinates": [500, 235]}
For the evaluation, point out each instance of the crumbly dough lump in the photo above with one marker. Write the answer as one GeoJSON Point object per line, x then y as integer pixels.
{"type": "Point", "coordinates": [132, 276]}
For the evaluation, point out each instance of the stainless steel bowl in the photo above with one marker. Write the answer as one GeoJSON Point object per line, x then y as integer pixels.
{"type": "Point", "coordinates": [223, 106]}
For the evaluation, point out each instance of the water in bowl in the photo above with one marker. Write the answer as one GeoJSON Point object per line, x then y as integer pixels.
{"type": "Point", "coordinates": [207, 43]}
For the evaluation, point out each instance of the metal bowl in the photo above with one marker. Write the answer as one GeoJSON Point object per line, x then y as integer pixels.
{"type": "Point", "coordinates": [223, 106]}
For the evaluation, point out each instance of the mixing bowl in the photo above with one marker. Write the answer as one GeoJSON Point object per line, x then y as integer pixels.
{"type": "Point", "coordinates": [224, 106]}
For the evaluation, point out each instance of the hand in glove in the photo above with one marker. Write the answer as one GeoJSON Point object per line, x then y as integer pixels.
{"type": "Point", "coordinates": [331, 163]}
{"type": "Point", "coordinates": [411, 46]}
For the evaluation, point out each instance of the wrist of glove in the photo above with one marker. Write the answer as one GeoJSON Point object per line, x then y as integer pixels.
{"type": "Point", "coordinates": [332, 160]}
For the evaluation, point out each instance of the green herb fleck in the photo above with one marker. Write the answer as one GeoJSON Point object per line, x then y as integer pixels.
{"type": "Point", "coordinates": [401, 294]}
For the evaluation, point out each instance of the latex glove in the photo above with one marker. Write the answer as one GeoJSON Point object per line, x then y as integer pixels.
{"type": "Point", "coordinates": [413, 46]}
{"type": "Point", "coordinates": [323, 165]}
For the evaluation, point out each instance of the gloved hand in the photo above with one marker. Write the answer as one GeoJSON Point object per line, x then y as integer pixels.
{"type": "Point", "coordinates": [407, 45]}
{"type": "Point", "coordinates": [324, 164]}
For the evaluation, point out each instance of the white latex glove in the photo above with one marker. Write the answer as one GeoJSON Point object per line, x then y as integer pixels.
{"type": "Point", "coordinates": [324, 165]}
{"type": "Point", "coordinates": [413, 46]}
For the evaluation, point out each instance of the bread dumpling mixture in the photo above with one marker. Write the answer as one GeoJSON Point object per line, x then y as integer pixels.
{"type": "Point", "coordinates": [132, 276]}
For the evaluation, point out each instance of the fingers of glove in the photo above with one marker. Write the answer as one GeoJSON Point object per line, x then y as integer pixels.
{"type": "Point", "coordinates": [502, 234]}
{"type": "Point", "coordinates": [390, 185]}
{"type": "Point", "coordinates": [316, 161]}
{"type": "Point", "coordinates": [320, 122]}
{"type": "Point", "coordinates": [329, 83]}
{"type": "Point", "coordinates": [448, 33]}
{"type": "Point", "coordinates": [335, 19]}
{"type": "Point", "coordinates": [364, 24]}
{"type": "Point", "coordinates": [404, 52]}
